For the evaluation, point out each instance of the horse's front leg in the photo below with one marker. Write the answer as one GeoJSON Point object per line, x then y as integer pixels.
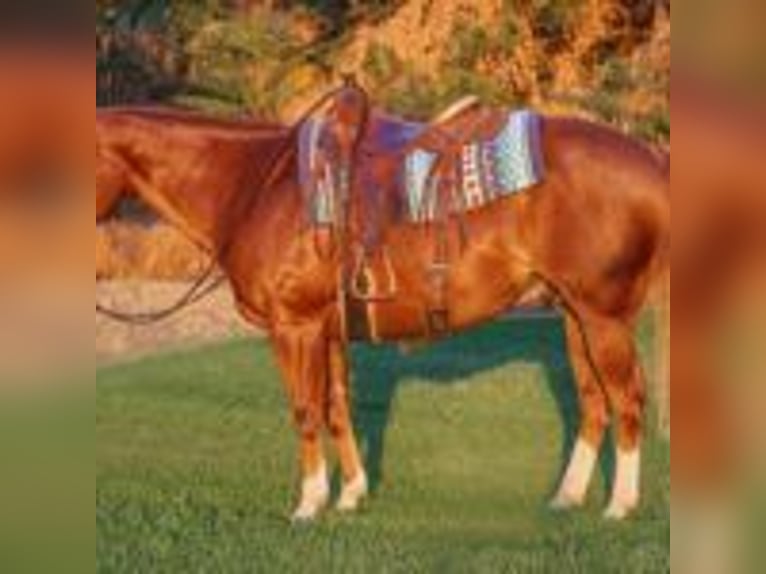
{"type": "Point", "coordinates": [302, 354]}
{"type": "Point", "coordinates": [340, 425]}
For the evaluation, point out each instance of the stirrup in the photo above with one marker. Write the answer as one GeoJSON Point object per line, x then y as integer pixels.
{"type": "Point", "coordinates": [364, 292]}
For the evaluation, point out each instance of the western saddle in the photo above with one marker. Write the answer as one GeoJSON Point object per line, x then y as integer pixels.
{"type": "Point", "coordinates": [367, 150]}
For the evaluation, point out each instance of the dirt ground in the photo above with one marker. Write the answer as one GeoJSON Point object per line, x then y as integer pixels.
{"type": "Point", "coordinates": [211, 319]}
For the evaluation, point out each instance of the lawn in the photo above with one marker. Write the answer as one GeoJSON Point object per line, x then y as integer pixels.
{"type": "Point", "coordinates": [196, 466]}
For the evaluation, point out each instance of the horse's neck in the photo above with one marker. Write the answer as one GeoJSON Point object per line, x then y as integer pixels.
{"type": "Point", "coordinates": [110, 184]}
{"type": "Point", "coordinates": [199, 179]}
{"type": "Point", "coordinates": [186, 201]}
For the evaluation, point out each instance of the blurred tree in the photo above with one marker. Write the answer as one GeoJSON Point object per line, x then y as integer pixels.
{"type": "Point", "coordinates": [134, 62]}
{"type": "Point", "coordinates": [244, 59]}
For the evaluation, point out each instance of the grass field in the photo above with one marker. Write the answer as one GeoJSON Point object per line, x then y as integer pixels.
{"type": "Point", "coordinates": [196, 468]}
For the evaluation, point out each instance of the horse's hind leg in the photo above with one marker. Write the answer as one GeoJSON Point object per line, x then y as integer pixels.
{"type": "Point", "coordinates": [594, 418]}
{"type": "Point", "coordinates": [340, 425]}
{"type": "Point", "coordinates": [628, 400]}
{"type": "Point", "coordinates": [616, 364]}
{"type": "Point", "coordinates": [301, 352]}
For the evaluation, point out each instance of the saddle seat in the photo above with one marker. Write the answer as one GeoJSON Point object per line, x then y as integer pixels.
{"type": "Point", "coordinates": [389, 134]}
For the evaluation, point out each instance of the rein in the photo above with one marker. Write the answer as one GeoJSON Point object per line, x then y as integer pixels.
{"type": "Point", "coordinates": [196, 293]}
{"type": "Point", "coordinates": [199, 290]}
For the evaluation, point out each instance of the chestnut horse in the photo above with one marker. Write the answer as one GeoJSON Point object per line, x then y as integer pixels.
{"type": "Point", "coordinates": [596, 232]}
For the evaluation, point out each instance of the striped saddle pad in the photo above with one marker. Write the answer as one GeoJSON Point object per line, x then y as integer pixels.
{"type": "Point", "coordinates": [505, 164]}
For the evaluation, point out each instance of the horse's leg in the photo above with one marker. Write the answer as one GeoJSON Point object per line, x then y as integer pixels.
{"type": "Point", "coordinates": [302, 356]}
{"type": "Point", "coordinates": [615, 357]}
{"type": "Point", "coordinates": [594, 418]}
{"type": "Point", "coordinates": [340, 425]}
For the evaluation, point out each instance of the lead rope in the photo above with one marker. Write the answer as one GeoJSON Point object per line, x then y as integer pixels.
{"type": "Point", "coordinates": [196, 293]}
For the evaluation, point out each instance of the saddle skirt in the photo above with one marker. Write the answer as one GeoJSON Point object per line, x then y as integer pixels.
{"type": "Point", "coordinates": [488, 169]}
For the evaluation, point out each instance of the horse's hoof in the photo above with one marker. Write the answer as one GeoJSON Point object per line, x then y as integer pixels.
{"type": "Point", "coordinates": [619, 511]}
{"type": "Point", "coordinates": [305, 515]}
{"type": "Point", "coordinates": [301, 519]}
{"type": "Point", "coordinates": [353, 493]}
{"type": "Point", "coordinates": [315, 495]}
{"type": "Point", "coordinates": [310, 509]}
{"type": "Point", "coordinates": [563, 501]}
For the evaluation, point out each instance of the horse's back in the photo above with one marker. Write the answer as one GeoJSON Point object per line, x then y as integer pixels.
{"type": "Point", "coordinates": [603, 214]}
{"type": "Point", "coordinates": [604, 167]}
{"type": "Point", "coordinates": [189, 121]}
{"type": "Point", "coordinates": [580, 142]}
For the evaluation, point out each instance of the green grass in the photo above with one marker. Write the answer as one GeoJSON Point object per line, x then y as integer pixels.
{"type": "Point", "coordinates": [196, 467]}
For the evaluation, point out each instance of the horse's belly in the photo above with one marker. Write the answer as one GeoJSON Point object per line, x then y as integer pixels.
{"type": "Point", "coordinates": [478, 286]}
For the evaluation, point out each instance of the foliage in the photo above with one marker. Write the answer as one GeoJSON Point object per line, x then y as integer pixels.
{"type": "Point", "coordinates": [551, 18]}
{"type": "Point", "coordinates": [507, 36]}
{"type": "Point", "coordinates": [246, 59]}
{"type": "Point", "coordinates": [469, 43]}
{"type": "Point", "coordinates": [605, 105]}
{"type": "Point", "coordinates": [341, 15]}
{"type": "Point", "coordinates": [220, 55]}
{"type": "Point", "coordinates": [381, 63]}
{"type": "Point", "coordinates": [224, 57]}
{"type": "Point", "coordinates": [133, 67]}
{"type": "Point", "coordinates": [131, 15]}
{"type": "Point", "coordinates": [618, 80]}
{"type": "Point", "coordinates": [616, 76]}
{"type": "Point", "coordinates": [405, 91]}
{"type": "Point", "coordinates": [186, 19]}
{"type": "Point", "coordinates": [654, 127]}
{"type": "Point", "coordinates": [413, 96]}
{"type": "Point", "coordinates": [420, 97]}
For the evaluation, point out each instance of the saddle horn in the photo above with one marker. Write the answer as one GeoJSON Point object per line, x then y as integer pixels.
{"type": "Point", "coordinates": [457, 109]}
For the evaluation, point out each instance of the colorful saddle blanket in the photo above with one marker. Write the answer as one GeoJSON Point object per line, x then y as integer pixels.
{"type": "Point", "coordinates": [503, 165]}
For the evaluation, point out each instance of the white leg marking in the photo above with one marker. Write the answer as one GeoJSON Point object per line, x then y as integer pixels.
{"type": "Point", "coordinates": [625, 493]}
{"type": "Point", "coordinates": [574, 486]}
{"type": "Point", "coordinates": [353, 493]}
{"type": "Point", "coordinates": [315, 493]}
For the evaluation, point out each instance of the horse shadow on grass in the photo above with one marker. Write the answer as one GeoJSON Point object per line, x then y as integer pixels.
{"type": "Point", "coordinates": [381, 370]}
